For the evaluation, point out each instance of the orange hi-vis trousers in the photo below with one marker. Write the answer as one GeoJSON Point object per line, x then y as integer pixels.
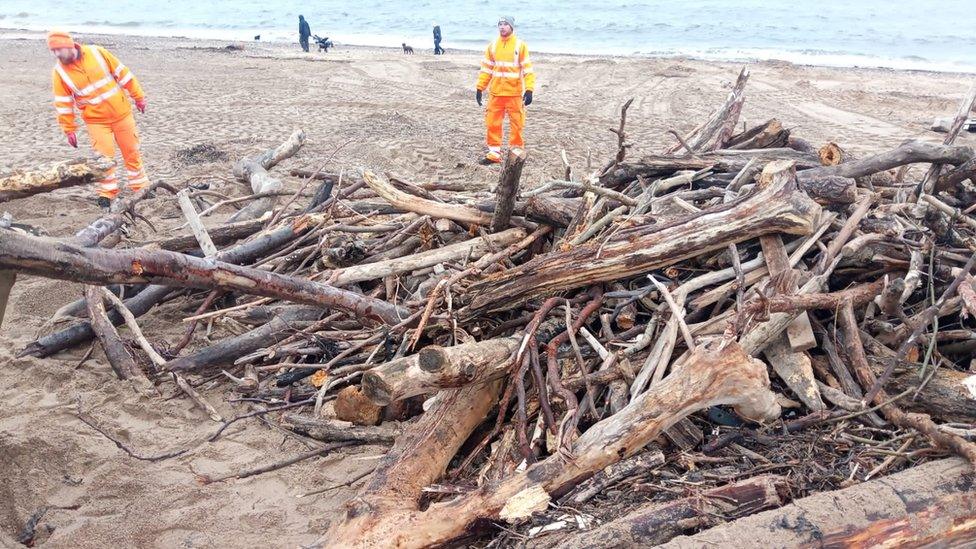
{"type": "Point", "coordinates": [104, 139]}
{"type": "Point", "coordinates": [498, 107]}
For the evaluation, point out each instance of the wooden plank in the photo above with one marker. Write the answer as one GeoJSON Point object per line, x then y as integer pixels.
{"type": "Point", "coordinates": [199, 231]}
{"type": "Point", "coordinates": [799, 331]}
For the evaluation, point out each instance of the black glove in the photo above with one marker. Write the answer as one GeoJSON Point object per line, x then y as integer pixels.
{"type": "Point", "coordinates": [527, 98]}
{"type": "Point", "coordinates": [477, 97]}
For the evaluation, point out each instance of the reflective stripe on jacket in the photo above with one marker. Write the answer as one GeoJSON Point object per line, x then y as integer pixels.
{"type": "Point", "coordinates": [92, 84]}
{"type": "Point", "coordinates": [506, 69]}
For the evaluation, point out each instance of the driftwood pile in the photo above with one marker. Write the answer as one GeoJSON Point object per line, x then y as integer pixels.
{"type": "Point", "coordinates": [667, 329]}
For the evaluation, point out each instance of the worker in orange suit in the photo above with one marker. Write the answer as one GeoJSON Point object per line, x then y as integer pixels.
{"type": "Point", "coordinates": [90, 79]}
{"type": "Point", "coordinates": [507, 74]}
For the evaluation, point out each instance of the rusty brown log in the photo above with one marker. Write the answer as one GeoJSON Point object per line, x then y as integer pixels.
{"type": "Point", "coordinates": [660, 522]}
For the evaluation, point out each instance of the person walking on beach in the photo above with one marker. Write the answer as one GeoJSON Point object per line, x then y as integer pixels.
{"type": "Point", "coordinates": [90, 79]}
{"type": "Point", "coordinates": [437, 40]}
{"type": "Point", "coordinates": [507, 74]}
{"type": "Point", "coordinates": [304, 31]}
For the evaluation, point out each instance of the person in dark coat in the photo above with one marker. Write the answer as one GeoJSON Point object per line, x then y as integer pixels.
{"type": "Point", "coordinates": [303, 32]}
{"type": "Point", "coordinates": [437, 40]}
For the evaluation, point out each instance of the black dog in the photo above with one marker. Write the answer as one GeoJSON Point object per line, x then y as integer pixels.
{"type": "Point", "coordinates": [407, 49]}
{"type": "Point", "coordinates": [323, 43]}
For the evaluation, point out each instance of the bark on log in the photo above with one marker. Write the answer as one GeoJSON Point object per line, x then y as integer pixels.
{"type": "Point", "coordinates": [949, 180]}
{"type": "Point", "coordinates": [60, 175]}
{"type": "Point", "coordinates": [435, 368]}
{"type": "Point", "coordinates": [778, 207]}
{"type": "Point", "coordinates": [222, 235]}
{"type": "Point", "coordinates": [99, 229]}
{"type": "Point", "coordinates": [910, 153]}
{"type": "Point", "coordinates": [53, 259]}
{"type": "Point", "coordinates": [643, 462]}
{"type": "Point", "coordinates": [944, 396]}
{"type": "Point", "coordinates": [708, 378]}
{"type": "Point", "coordinates": [229, 349]}
{"type": "Point", "coordinates": [660, 522]}
{"type": "Point", "coordinates": [548, 209]}
{"type": "Point", "coordinates": [475, 247]}
{"type": "Point", "coordinates": [118, 356]}
{"type": "Point", "coordinates": [768, 135]}
{"type": "Point", "coordinates": [254, 171]}
{"type": "Point", "coordinates": [333, 430]}
{"type": "Point", "coordinates": [507, 190]}
{"type": "Point", "coordinates": [932, 503]}
{"type": "Point", "coordinates": [419, 457]}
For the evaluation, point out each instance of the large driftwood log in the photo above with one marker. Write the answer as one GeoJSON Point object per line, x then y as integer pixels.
{"type": "Point", "coordinates": [474, 247]}
{"type": "Point", "coordinates": [707, 378]}
{"type": "Point", "coordinates": [254, 171]}
{"type": "Point", "coordinates": [145, 300]}
{"type": "Point", "coordinates": [909, 153]}
{"type": "Point", "coordinates": [660, 522]}
{"type": "Point", "coordinates": [60, 175]}
{"type": "Point", "coordinates": [932, 503]}
{"type": "Point", "coordinates": [777, 207]}
{"type": "Point", "coordinates": [419, 457]}
{"type": "Point", "coordinates": [724, 161]}
{"type": "Point", "coordinates": [54, 259]}
{"type": "Point", "coordinates": [423, 206]}
{"type": "Point", "coordinates": [435, 368]}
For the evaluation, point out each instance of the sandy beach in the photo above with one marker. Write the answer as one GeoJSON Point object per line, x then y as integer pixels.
{"type": "Point", "coordinates": [414, 116]}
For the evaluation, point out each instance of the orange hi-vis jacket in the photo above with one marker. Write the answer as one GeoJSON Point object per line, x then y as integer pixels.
{"type": "Point", "coordinates": [92, 83]}
{"type": "Point", "coordinates": [506, 70]}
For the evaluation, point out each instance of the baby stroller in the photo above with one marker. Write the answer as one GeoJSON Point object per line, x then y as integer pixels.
{"type": "Point", "coordinates": [323, 43]}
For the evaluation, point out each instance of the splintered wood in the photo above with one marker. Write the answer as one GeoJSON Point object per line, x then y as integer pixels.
{"type": "Point", "coordinates": [670, 342]}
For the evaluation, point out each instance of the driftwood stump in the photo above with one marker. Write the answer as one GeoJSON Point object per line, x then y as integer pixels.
{"type": "Point", "coordinates": [507, 190]}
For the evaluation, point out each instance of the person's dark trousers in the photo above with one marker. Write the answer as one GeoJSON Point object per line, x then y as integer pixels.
{"type": "Point", "coordinates": [304, 42]}
{"type": "Point", "coordinates": [437, 47]}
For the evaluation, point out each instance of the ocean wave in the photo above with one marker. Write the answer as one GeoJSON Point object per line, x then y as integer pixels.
{"type": "Point", "coordinates": [123, 24]}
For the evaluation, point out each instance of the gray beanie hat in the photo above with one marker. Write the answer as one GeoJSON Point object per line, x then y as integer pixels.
{"type": "Point", "coordinates": [508, 19]}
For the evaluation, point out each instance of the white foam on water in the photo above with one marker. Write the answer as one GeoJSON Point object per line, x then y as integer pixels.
{"type": "Point", "coordinates": [867, 33]}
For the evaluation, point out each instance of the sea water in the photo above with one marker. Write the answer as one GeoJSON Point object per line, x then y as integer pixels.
{"type": "Point", "coordinates": [901, 34]}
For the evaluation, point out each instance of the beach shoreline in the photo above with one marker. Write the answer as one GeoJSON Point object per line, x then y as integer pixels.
{"type": "Point", "coordinates": [770, 56]}
{"type": "Point", "coordinates": [362, 108]}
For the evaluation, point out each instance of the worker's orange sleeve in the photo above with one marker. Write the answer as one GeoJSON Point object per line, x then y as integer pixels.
{"type": "Point", "coordinates": [527, 71]}
{"type": "Point", "coordinates": [64, 104]}
{"type": "Point", "coordinates": [122, 75]}
{"type": "Point", "coordinates": [487, 65]}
